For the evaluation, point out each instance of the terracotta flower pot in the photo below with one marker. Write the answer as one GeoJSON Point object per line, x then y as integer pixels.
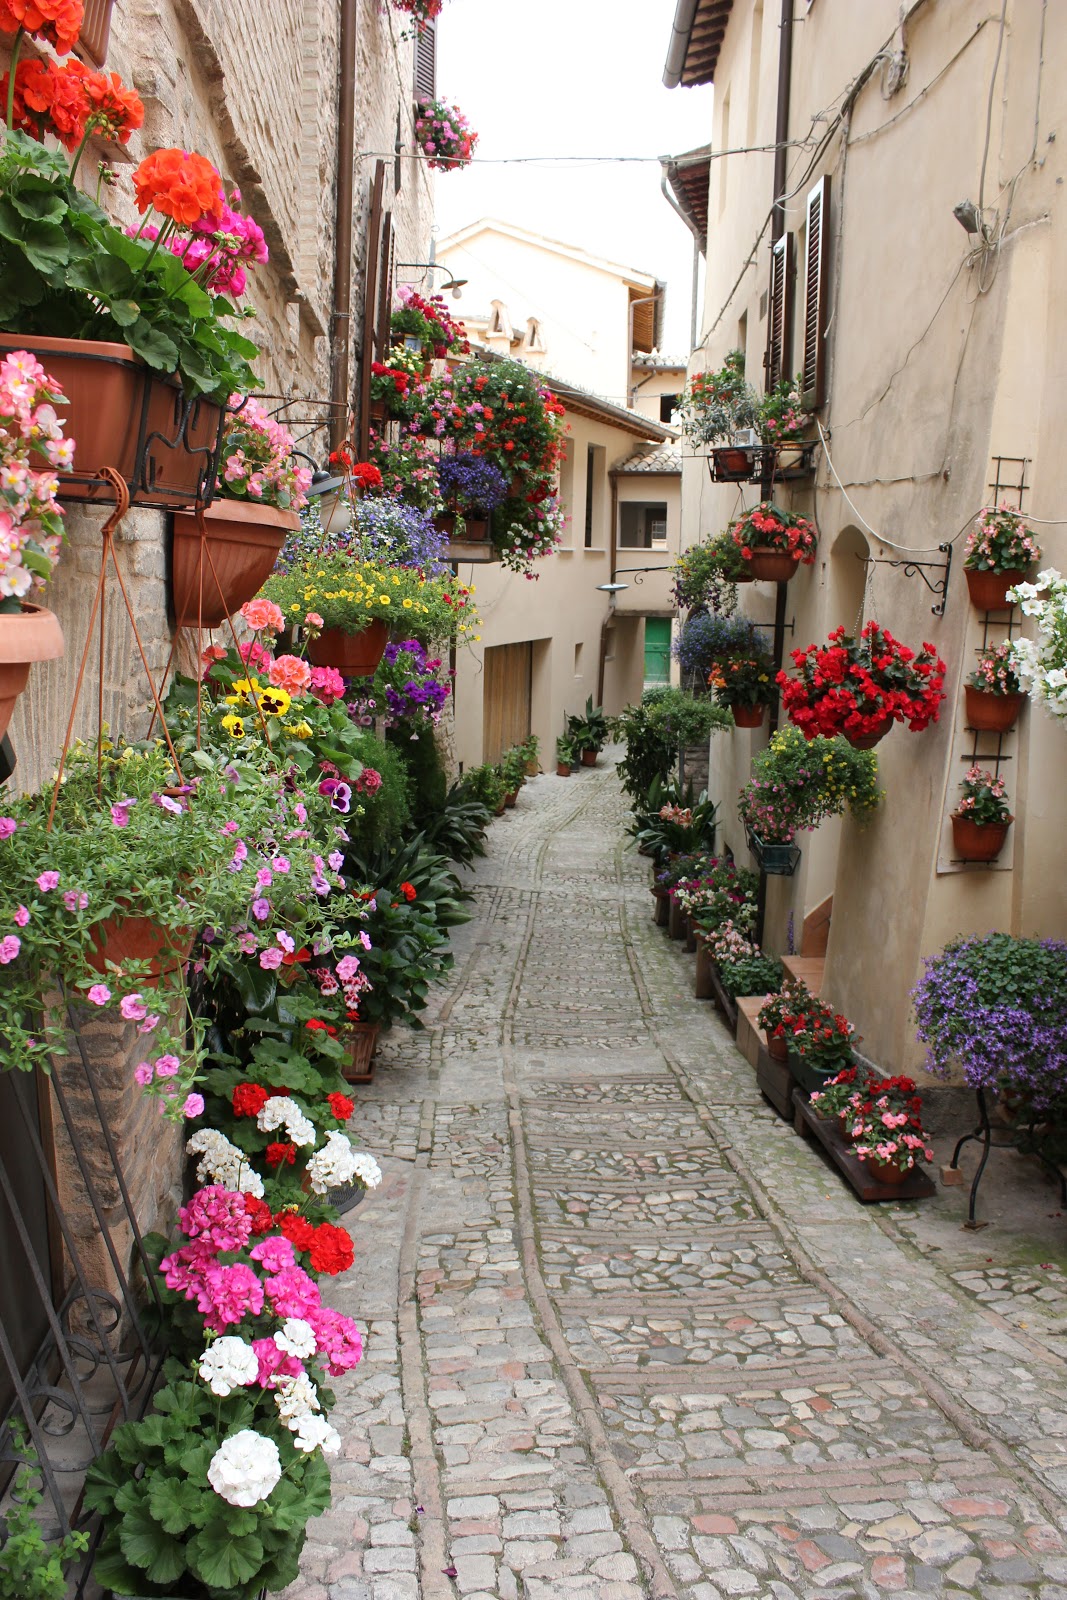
{"type": "Point", "coordinates": [885, 1171]}
{"type": "Point", "coordinates": [32, 634]}
{"type": "Point", "coordinates": [563, 769]}
{"type": "Point", "coordinates": [867, 741]}
{"type": "Point", "coordinates": [445, 522]}
{"type": "Point", "coordinates": [773, 566]}
{"type": "Point", "coordinates": [476, 529]}
{"type": "Point", "coordinates": [378, 412]}
{"type": "Point", "coordinates": [510, 798]}
{"type": "Point", "coordinates": [109, 392]}
{"type": "Point", "coordinates": [992, 713]}
{"type": "Point", "coordinates": [212, 576]}
{"type": "Point", "coordinates": [589, 758]}
{"type": "Point", "coordinates": [978, 841]}
{"type": "Point", "coordinates": [356, 655]}
{"type": "Point", "coordinates": [121, 939]}
{"type": "Point", "coordinates": [362, 1040]}
{"type": "Point", "coordinates": [748, 716]}
{"type": "Point", "coordinates": [989, 590]}
{"type": "Point", "coordinates": [777, 1048]}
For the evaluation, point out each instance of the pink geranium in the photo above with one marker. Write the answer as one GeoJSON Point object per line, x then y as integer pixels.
{"type": "Point", "coordinates": [263, 614]}
{"type": "Point", "coordinates": [293, 1293]}
{"type": "Point", "coordinates": [291, 674]}
{"type": "Point", "coordinates": [338, 1339]}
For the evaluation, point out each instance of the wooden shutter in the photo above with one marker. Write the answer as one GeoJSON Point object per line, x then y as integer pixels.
{"type": "Point", "coordinates": [815, 295]}
{"type": "Point", "coordinates": [371, 302]}
{"type": "Point", "coordinates": [426, 61]}
{"type": "Point", "coordinates": [386, 276]}
{"type": "Point", "coordinates": [95, 30]}
{"type": "Point", "coordinates": [780, 313]}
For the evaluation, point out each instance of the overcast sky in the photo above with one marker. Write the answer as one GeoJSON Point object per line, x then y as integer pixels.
{"type": "Point", "coordinates": [562, 78]}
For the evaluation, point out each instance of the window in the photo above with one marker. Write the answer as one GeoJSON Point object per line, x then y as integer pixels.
{"type": "Point", "coordinates": [668, 405]}
{"type": "Point", "coordinates": [816, 297]}
{"type": "Point", "coordinates": [643, 525]}
{"type": "Point", "coordinates": [779, 357]}
{"type": "Point", "coordinates": [95, 31]}
{"type": "Point", "coordinates": [590, 488]}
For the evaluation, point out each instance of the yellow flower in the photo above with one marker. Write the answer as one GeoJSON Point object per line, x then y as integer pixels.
{"type": "Point", "coordinates": [384, 599]}
{"type": "Point", "coordinates": [408, 604]}
{"type": "Point", "coordinates": [243, 691]}
{"type": "Point", "coordinates": [234, 726]}
{"type": "Point", "coordinates": [274, 702]}
{"type": "Point", "coordinates": [299, 730]}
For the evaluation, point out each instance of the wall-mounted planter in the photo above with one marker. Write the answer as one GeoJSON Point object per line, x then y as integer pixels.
{"type": "Point", "coordinates": [992, 713]}
{"type": "Point", "coordinates": [978, 841]}
{"type": "Point", "coordinates": [777, 860]}
{"type": "Point", "coordinates": [989, 590]}
{"type": "Point", "coordinates": [213, 574]}
{"type": "Point", "coordinates": [32, 634]}
{"type": "Point", "coordinates": [748, 716]}
{"type": "Point", "coordinates": [772, 566]}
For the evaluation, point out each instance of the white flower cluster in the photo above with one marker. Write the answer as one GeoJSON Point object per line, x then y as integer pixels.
{"type": "Point", "coordinates": [337, 1163]}
{"type": "Point", "coordinates": [1042, 662]}
{"type": "Point", "coordinates": [227, 1364]}
{"type": "Point", "coordinates": [297, 1338]}
{"type": "Point", "coordinates": [298, 1407]}
{"type": "Point", "coordinates": [245, 1468]}
{"type": "Point", "coordinates": [282, 1112]}
{"type": "Point", "coordinates": [222, 1162]}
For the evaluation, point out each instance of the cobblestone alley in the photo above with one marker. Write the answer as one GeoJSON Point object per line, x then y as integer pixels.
{"type": "Point", "coordinates": [628, 1336]}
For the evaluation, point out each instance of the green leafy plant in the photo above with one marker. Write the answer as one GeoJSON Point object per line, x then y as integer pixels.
{"type": "Point", "coordinates": [485, 784]}
{"type": "Point", "coordinates": [458, 829]}
{"type": "Point", "coordinates": [665, 722]}
{"type": "Point", "coordinates": [675, 822]}
{"type": "Point", "coordinates": [513, 769]}
{"type": "Point", "coordinates": [566, 751]}
{"type": "Point", "coordinates": [756, 974]}
{"type": "Point", "coordinates": [716, 404]}
{"type": "Point", "coordinates": [30, 1568]}
{"type": "Point", "coordinates": [588, 730]}
{"type": "Point", "coordinates": [797, 782]}
{"type": "Point", "coordinates": [708, 575]}
{"type": "Point", "coordinates": [351, 596]}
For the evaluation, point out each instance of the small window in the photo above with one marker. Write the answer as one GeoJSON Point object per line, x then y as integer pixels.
{"type": "Point", "coordinates": [578, 660]}
{"type": "Point", "coordinates": [643, 525]}
{"type": "Point", "coordinates": [668, 405]}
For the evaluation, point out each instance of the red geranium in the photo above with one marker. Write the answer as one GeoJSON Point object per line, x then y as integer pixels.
{"type": "Point", "coordinates": [408, 891]}
{"type": "Point", "coordinates": [366, 475]}
{"type": "Point", "coordinates": [855, 686]}
{"type": "Point", "coordinates": [280, 1153]}
{"type": "Point", "coordinates": [297, 1229]}
{"type": "Point", "coordinates": [58, 21]}
{"type": "Point", "coordinates": [778, 532]}
{"type": "Point", "coordinates": [249, 1099]}
{"type": "Point", "coordinates": [260, 1212]}
{"type": "Point", "coordinates": [341, 1106]}
{"type": "Point", "coordinates": [331, 1250]}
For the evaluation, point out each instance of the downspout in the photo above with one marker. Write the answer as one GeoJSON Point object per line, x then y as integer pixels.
{"type": "Point", "coordinates": [612, 562]}
{"type": "Point", "coordinates": [341, 319]}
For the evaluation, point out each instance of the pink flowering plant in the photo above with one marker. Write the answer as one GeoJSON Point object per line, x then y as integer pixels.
{"type": "Point", "coordinates": [257, 462]}
{"type": "Point", "coordinates": [996, 672]}
{"type": "Point", "coordinates": [769, 528]}
{"type": "Point", "coordinates": [1001, 541]}
{"type": "Point", "coordinates": [32, 447]}
{"type": "Point", "coordinates": [984, 799]}
{"type": "Point", "coordinates": [444, 135]}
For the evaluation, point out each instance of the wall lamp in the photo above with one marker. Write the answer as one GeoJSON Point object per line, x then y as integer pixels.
{"type": "Point", "coordinates": [457, 285]}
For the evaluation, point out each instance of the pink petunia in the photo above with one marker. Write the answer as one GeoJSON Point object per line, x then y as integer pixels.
{"type": "Point", "coordinates": [194, 1105]}
{"type": "Point", "coordinates": [270, 960]}
{"type": "Point", "coordinates": [133, 1008]}
{"type": "Point", "coordinates": [10, 945]}
{"type": "Point", "coordinates": [22, 916]}
{"type": "Point", "coordinates": [47, 881]}
{"type": "Point", "coordinates": [99, 994]}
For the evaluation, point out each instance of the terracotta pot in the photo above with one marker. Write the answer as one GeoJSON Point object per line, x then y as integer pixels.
{"type": "Point", "coordinates": [993, 713]}
{"type": "Point", "coordinates": [427, 371]}
{"type": "Point", "coordinates": [989, 590]}
{"type": "Point", "coordinates": [121, 939]}
{"type": "Point", "coordinates": [212, 576]}
{"type": "Point", "coordinates": [356, 655]}
{"type": "Point", "coordinates": [867, 741]}
{"type": "Point", "coordinates": [362, 1040]}
{"type": "Point", "coordinates": [510, 799]}
{"type": "Point", "coordinates": [475, 529]}
{"type": "Point", "coordinates": [378, 412]}
{"type": "Point", "coordinates": [777, 1049]}
{"type": "Point", "coordinates": [110, 391]}
{"type": "Point", "coordinates": [589, 758]}
{"type": "Point", "coordinates": [446, 523]}
{"type": "Point", "coordinates": [772, 565]}
{"type": "Point", "coordinates": [748, 716]}
{"type": "Point", "coordinates": [978, 841]}
{"type": "Point", "coordinates": [885, 1171]}
{"type": "Point", "coordinates": [32, 634]}
{"type": "Point", "coordinates": [498, 811]}
{"type": "Point", "coordinates": [563, 769]}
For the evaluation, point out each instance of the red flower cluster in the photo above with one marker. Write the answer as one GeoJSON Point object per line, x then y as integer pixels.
{"type": "Point", "coordinates": [778, 532]}
{"type": "Point", "coordinates": [178, 184]}
{"type": "Point", "coordinates": [393, 378]}
{"type": "Point", "coordinates": [315, 1026]}
{"type": "Point", "coordinates": [248, 1099]}
{"type": "Point", "coordinates": [260, 1212]}
{"type": "Point", "coordinates": [341, 1106]}
{"type": "Point", "coordinates": [366, 475]}
{"type": "Point", "coordinates": [57, 21]}
{"type": "Point", "coordinates": [854, 686]}
{"type": "Point", "coordinates": [70, 101]}
{"type": "Point", "coordinates": [280, 1153]}
{"type": "Point", "coordinates": [408, 891]}
{"type": "Point", "coordinates": [329, 1247]}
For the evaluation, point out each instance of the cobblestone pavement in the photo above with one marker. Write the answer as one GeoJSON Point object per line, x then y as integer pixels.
{"type": "Point", "coordinates": [627, 1335]}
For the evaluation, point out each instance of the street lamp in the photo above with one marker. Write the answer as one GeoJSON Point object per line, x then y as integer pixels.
{"type": "Point", "coordinates": [457, 285]}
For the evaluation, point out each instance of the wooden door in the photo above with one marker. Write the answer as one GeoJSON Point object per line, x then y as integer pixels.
{"type": "Point", "coordinates": [506, 704]}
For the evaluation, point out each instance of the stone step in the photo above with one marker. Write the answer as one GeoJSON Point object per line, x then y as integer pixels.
{"type": "Point", "coordinates": [809, 969]}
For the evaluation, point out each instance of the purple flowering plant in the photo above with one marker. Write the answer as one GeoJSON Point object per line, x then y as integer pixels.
{"type": "Point", "coordinates": [996, 1006]}
{"type": "Point", "coordinates": [408, 685]}
{"type": "Point", "coordinates": [470, 484]}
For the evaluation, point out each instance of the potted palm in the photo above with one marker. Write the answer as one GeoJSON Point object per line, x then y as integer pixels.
{"type": "Point", "coordinates": [981, 819]}
{"type": "Point", "coordinates": [994, 692]}
{"type": "Point", "coordinates": [1000, 551]}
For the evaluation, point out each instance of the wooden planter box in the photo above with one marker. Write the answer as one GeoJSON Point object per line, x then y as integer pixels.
{"type": "Point", "coordinates": [675, 920]}
{"type": "Point", "coordinates": [702, 987]}
{"type": "Point", "coordinates": [776, 1083]}
{"type": "Point", "coordinates": [826, 1131]}
{"type": "Point", "coordinates": [662, 910]}
{"type": "Point", "coordinates": [724, 1003]}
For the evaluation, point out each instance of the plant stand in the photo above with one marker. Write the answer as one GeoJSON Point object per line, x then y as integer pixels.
{"type": "Point", "coordinates": [675, 920]}
{"type": "Point", "coordinates": [983, 1135]}
{"type": "Point", "coordinates": [826, 1131]}
{"type": "Point", "coordinates": [776, 1083]}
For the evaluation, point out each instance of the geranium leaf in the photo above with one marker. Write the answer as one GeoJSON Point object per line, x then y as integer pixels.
{"type": "Point", "coordinates": [145, 1545]}
{"type": "Point", "coordinates": [222, 1559]}
{"type": "Point", "coordinates": [177, 1502]}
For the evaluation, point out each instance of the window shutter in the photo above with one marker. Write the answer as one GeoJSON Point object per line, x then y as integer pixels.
{"type": "Point", "coordinates": [815, 295]}
{"type": "Point", "coordinates": [96, 27]}
{"type": "Point", "coordinates": [386, 275]}
{"type": "Point", "coordinates": [780, 319]}
{"type": "Point", "coordinates": [426, 61]}
{"type": "Point", "coordinates": [371, 302]}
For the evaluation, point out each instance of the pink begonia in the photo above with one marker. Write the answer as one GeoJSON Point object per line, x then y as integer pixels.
{"type": "Point", "coordinates": [133, 1008]}
{"type": "Point", "coordinates": [8, 825]}
{"type": "Point", "coordinates": [347, 968]}
{"type": "Point", "coordinates": [274, 1254]}
{"type": "Point", "coordinates": [75, 900]}
{"type": "Point", "coordinates": [218, 1217]}
{"type": "Point", "coordinates": [22, 916]}
{"type": "Point", "coordinates": [99, 994]}
{"type": "Point", "coordinates": [338, 1339]}
{"type": "Point", "coordinates": [274, 1363]}
{"type": "Point", "coordinates": [293, 1293]}
{"type": "Point", "coordinates": [194, 1105]}
{"type": "Point", "coordinates": [270, 960]}
{"type": "Point", "coordinates": [10, 945]}
{"type": "Point", "coordinates": [168, 1067]}
{"type": "Point", "coordinates": [47, 880]}
{"type": "Point", "coordinates": [143, 1073]}
{"type": "Point", "coordinates": [228, 1294]}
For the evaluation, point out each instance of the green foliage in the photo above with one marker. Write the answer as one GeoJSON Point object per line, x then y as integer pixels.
{"type": "Point", "coordinates": [420, 761]}
{"type": "Point", "coordinates": [665, 722]}
{"type": "Point", "coordinates": [708, 575]}
{"type": "Point", "coordinates": [566, 751]}
{"type": "Point", "coordinates": [513, 769]}
{"type": "Point", "coordinates": [797, 783]}
{"type": "Point", "coordinates": [757, 974]}
{"type": "Point", "coordinates": [486, 785]}
{"type": "Point", "coordinates": [458, 829]}
{"type": "Point", "coordinates": [30, 1568]}
{"type": "Point", "coordinates": [588, 731]}
{"type": "Point", "coordinates": [672, 821]}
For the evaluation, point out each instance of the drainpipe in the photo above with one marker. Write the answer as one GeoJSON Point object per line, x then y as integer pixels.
{"type": "Point", "coordinates": [341, 320]}
{"type": "Point", "coordinates": [612, 563]}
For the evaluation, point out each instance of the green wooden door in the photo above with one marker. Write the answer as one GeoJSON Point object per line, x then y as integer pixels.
{"type": "Point", "coordinates": [657, 649]}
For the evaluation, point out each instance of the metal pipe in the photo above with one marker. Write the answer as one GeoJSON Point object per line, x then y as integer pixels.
{"type": "Point", "coordinates": [681, 28]}
{"type": "Point", "coordinates": [341, 320]}
{"type": "Point", "coordinates": [781, 123]}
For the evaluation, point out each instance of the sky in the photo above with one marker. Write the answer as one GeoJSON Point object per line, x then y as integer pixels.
{"type": "Point", "coordinates": [565, 78]}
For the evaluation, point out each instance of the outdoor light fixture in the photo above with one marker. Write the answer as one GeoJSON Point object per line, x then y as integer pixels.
{"type": "Point", "coordinates": [612, 588]}
{"type": "Point", "coordinates": [335, 513]}
{"type": "Point", "coordinates": [457, 285]}
{"type": "Point", "coordinates": [968, 216]}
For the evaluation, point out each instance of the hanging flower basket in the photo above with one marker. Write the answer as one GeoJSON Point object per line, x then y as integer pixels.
{"type": "Point", "coordinates": [978, 841]}
{"type": "Point", "coordinates": [214, 574]}
{"type": "Point", "coordinates": [766, 566]}
{"type": "Point", "coordinates": [33, 634]}
{"type": "Point", "coordinates": [748, 716]}
{"type": "Point", "coordinates": [989, 590]}
{"type": "Point", "coordinates": [859, 687]}
{"type": "Point", "coordinates": [121, 939]}
{"type": "Point", "coordinates": [875, 735]}
{"type": "Point", "coordinates": [356, 655]}
{"type": "Point", "coordinates": [776, 859]}
{"type": "Point", "coordinates": [992, 713]}
{"type": "Point", "coordinates": [122, 415]}
{"type": "Point", "coordinates": [773, 542]}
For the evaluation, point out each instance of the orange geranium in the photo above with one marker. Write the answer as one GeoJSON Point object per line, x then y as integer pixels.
{"type": "Point", "coordinates": [114, 111]}
{"type": "Point", "coordinates": [58, 21]}
{"type": "Point", "coordinates": [178, 184]}
{"type": "Point", "coordinates": [71, 100]}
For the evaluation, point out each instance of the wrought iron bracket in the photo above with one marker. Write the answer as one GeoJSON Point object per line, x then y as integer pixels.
{"type": "Point", "coordinates": [638, 570]}
{"type": "Point", "coordinates": [919, 569]}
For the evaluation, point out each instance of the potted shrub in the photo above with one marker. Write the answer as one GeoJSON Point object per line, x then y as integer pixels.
{"type": "Point", "coordinates": [164, 357]}
{"type": "Point", "coordinates": [860, 687]}
{"type": "Point", "coordinates": [513, 773]}
{"type": "Point", "coordinates": [531, 748]}
{"type": "Point", "coordinates": [424, 323]}
{"type": "Point", "coordinates": [745, 684]}
{"type": "Point", "coordinates": [665, 722]}
{"type": "Point", "coordinates": [676, 824]}
{"type": "Point", "coordinates": [588, 732]}
{"type": "Point", "coordinates": [796, 784]}
{"type": "Point", "coordinates": [774, 542]}
{"type": "Point", "coordinates": [706, 576]}
{"type": "Point", "coordinates": [1000, 551]}
{"type": "Point", "coordinates": [485, 783]}
{"type": "Point", "coordinates": [471, 489]}
{"type": "Point", "coordinates": [222, 556]}
{"type": "Point", "coordinates": [994, 693]}
{"type": "Point", "coordinates": [1042, 662]}
{"type": "Point", "coordinates": [444, 135]}
{"type": "Point", "coordinates": [566, 756]}
{"type": "Point", "coordinates": [780, 1014]}
{"type": "Point", "coordinates": [32, 446]}
{"type": "Point", "coordinates": [981, 819]}
{"type": "Point", "coordinates": [820, 1044]}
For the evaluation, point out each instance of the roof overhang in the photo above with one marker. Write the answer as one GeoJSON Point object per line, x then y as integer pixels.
{"type": "Point", "coordinates": [697, 33]}
{"type": "Point", "coordinates": [689, 178]}
{"type": "Point", "coordinates": [597, 410]}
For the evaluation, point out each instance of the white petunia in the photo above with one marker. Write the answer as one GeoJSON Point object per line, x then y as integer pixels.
{"type": "Point", "coordinates": [245, 1468]}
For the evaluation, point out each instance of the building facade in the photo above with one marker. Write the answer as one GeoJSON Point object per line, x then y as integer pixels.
{"type": "Point", "coordinates": [926, 335]}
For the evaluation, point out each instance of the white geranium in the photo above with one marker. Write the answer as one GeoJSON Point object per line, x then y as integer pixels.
{"type": "Point", "coordinates": [222, 1162]}
{"type": "Point", "coordinates": [1042, 662]}
{"type": "Point", "coordinates": [283, 1112]}
{"type": "Point", "coordinates": [245, 1468]}
{"type": "Point", "coordinates": [295, 1397]}
{"type": "Point", "coordinates": [297, 1338]}
{"type": "Point", "coordinates": [337, 1163]}
{"type": "Point", "coordinates": [227, 1364]}
{"type": "Point", "coordinates": [314, 1433]}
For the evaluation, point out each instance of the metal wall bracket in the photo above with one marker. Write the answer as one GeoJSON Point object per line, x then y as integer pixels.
{"type": "Point", "coordinates": [920, 569]}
